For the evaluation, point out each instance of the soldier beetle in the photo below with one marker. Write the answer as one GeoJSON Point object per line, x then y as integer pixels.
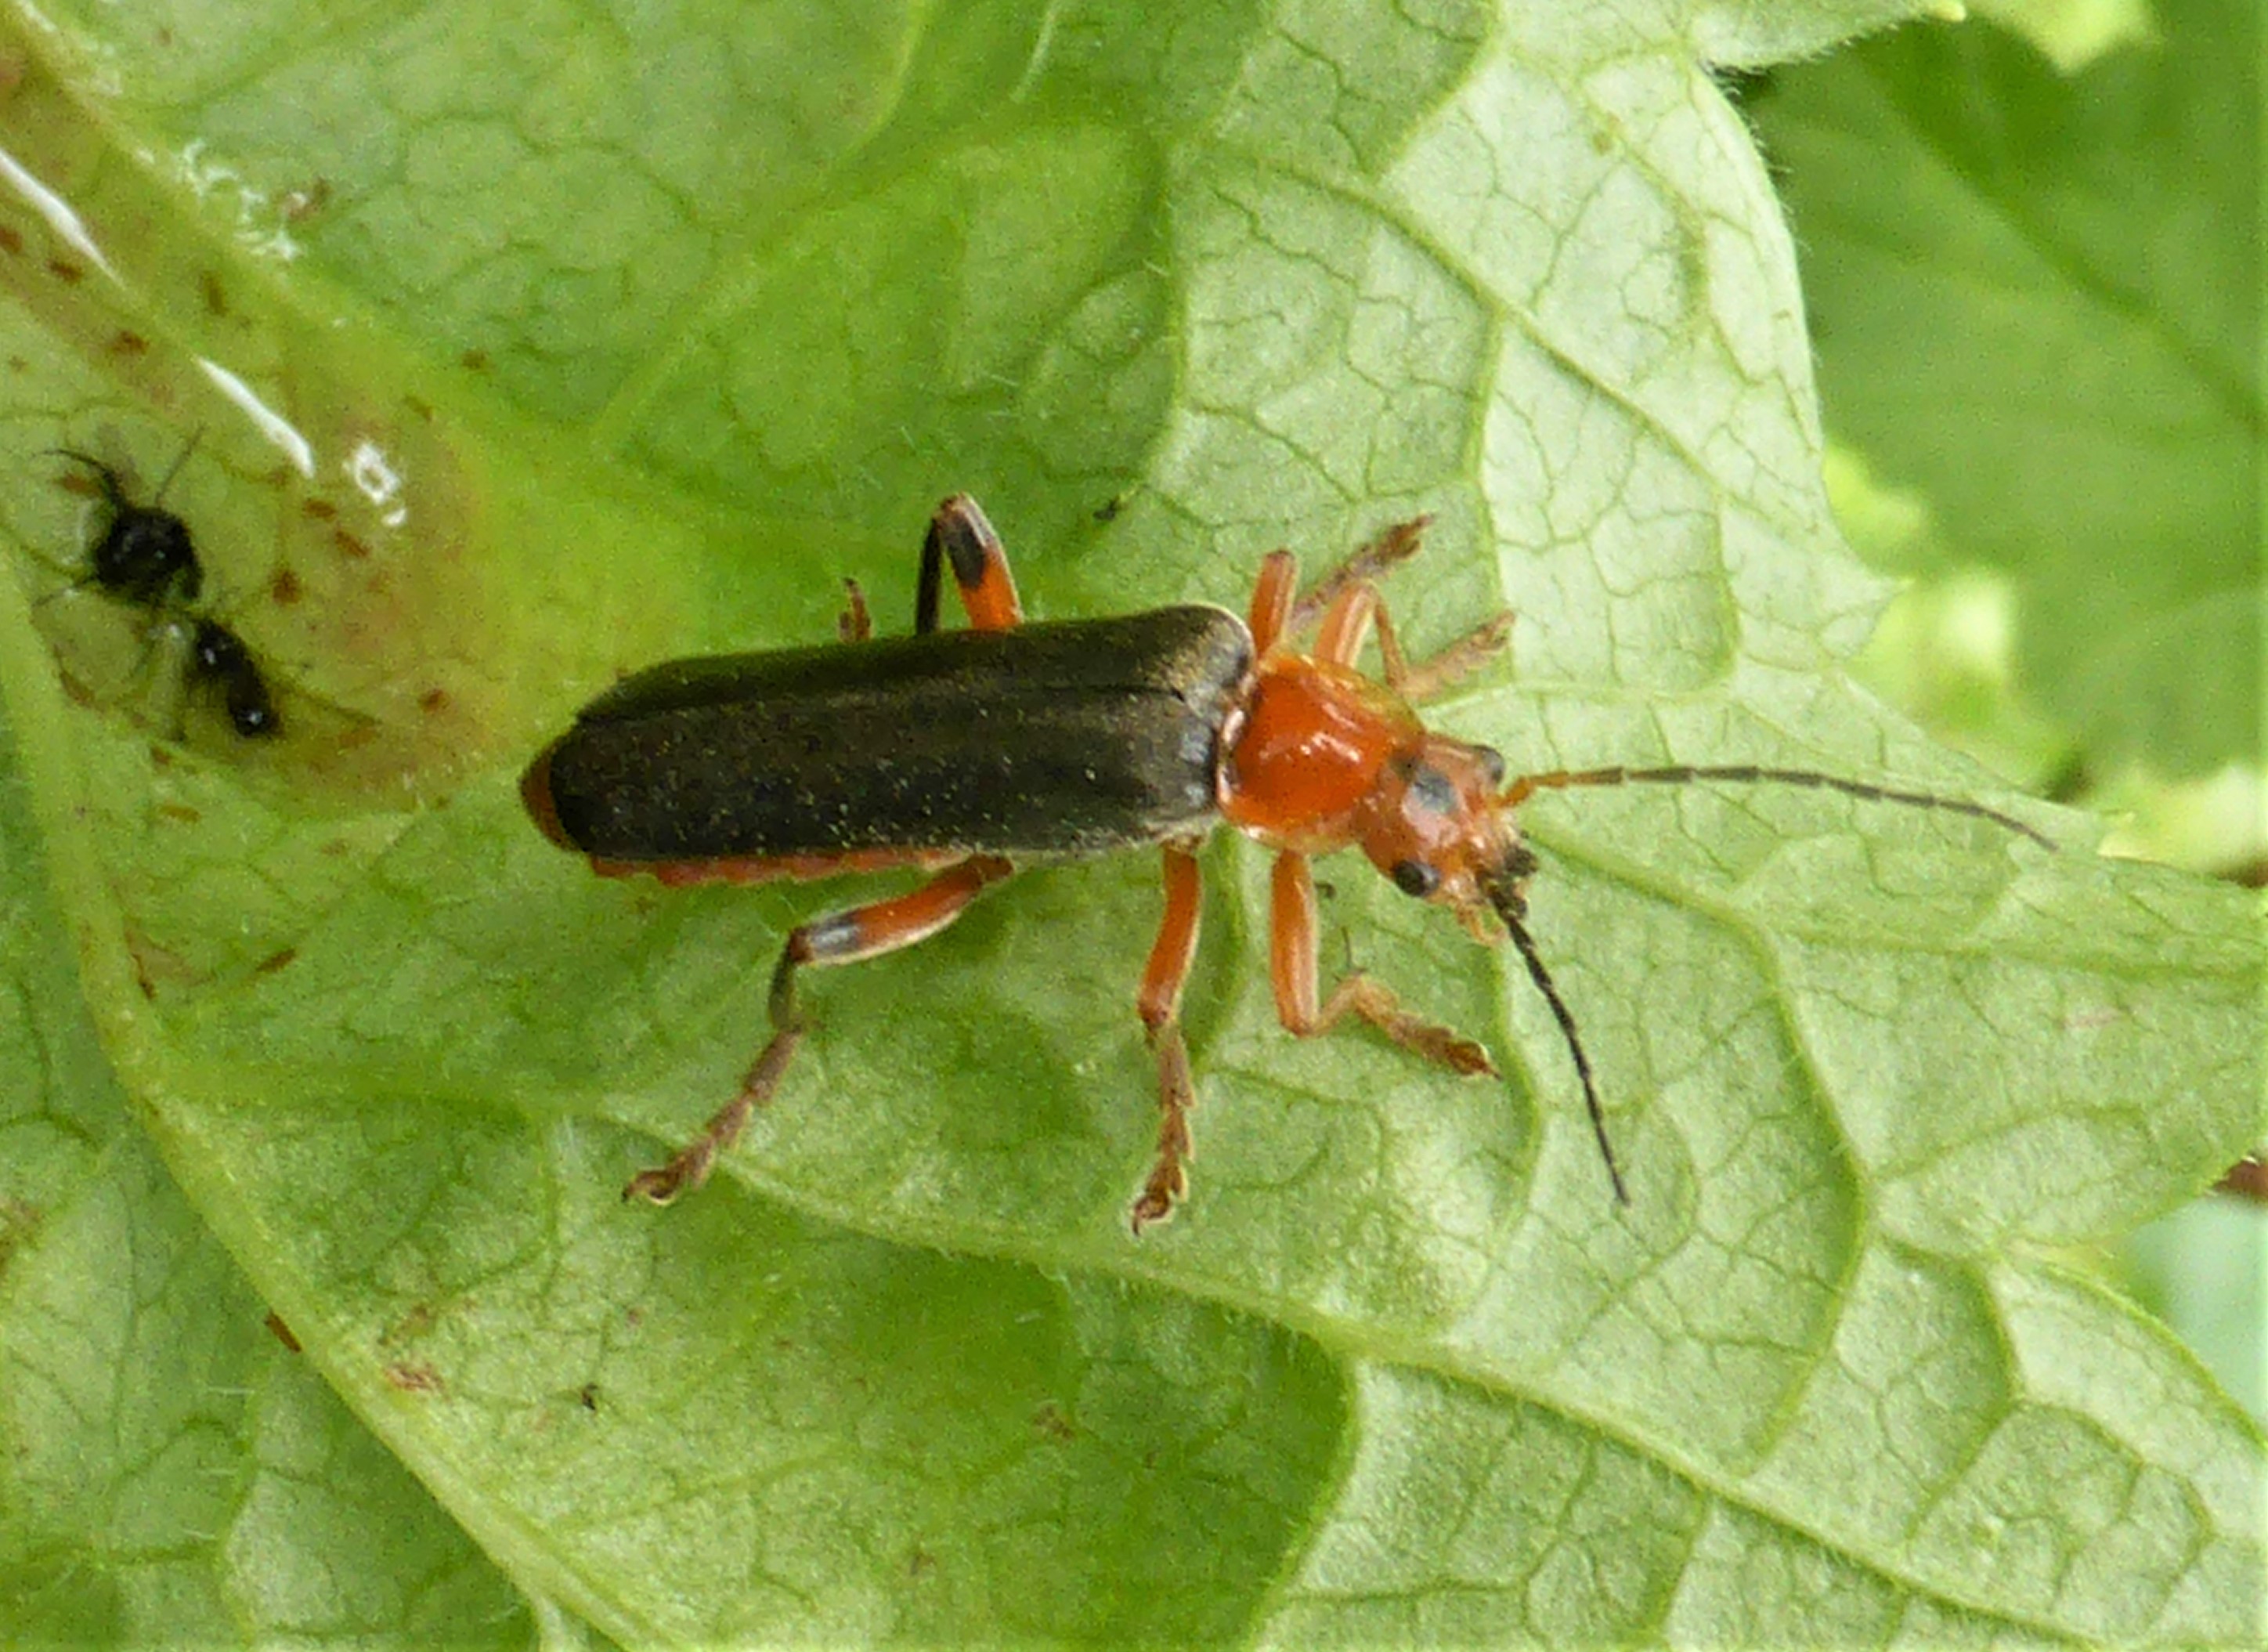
{"type": "Point", "coordinates": [964, 753]}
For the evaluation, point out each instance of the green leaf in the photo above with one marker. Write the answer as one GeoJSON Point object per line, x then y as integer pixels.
{"type": "Point", "coordinates": [173, 1475]}
{"type": "Point", "coordinates": [2037, 300]}
{"type": "Point", "coordinates": [610, 340]}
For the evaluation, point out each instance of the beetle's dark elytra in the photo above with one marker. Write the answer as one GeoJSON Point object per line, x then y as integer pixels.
{"type": "Point", "coordinates": [1061, 739]}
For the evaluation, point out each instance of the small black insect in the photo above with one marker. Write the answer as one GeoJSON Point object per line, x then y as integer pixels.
{"type": "Point", "coordinates": [218, 658]}
{"type": "Point", "coordinates": [146, 554]}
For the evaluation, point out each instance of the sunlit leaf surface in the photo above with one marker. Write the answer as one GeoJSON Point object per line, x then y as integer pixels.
{"type": "Point", "coordinates": [589, 338]}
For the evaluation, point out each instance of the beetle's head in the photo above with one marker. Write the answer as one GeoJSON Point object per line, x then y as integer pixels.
{"type": "Point", "coordinates": [1436, 828]}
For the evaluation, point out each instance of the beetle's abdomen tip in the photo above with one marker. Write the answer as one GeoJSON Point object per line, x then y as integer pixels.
{"type": "Point", "coordinates": [535, 794]}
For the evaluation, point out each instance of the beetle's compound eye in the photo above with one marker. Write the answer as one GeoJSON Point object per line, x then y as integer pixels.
{"type": "Point", "coordinates": [1415, 877]}
{"type": "Point", "coordinates": [1491, 762]}
{"type": "Point", "coordinates": [1432, 791]}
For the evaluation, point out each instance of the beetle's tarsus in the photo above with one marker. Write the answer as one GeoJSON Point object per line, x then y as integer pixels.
{"type": "Point", "coordinates": [688, 1170]}
{"type": "Point", "coordinates": [1170, 1176]}
{"type": "Point", "coordinates": [691, 1167]}
{"type": "Point", "coordinates": [1373, 1001]}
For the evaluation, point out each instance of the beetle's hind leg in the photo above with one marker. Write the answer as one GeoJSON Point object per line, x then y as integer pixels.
{"type": "Point", "coordinates": [1159, 1005]}
{"type": "Point", "coordinates": [844, 937]}
{"type": "Point", "coordinates": [959, 535]}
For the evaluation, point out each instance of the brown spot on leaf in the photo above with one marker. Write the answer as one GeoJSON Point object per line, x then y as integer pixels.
{"type": "Point", "coordinates": [153, 965]}
{"type": "Point", "coordinates": [19, 1221]}
{"type": "Point", "coordinates": [2247, 1178]}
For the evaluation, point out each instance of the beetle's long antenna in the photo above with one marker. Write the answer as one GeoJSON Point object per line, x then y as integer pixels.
{"type": "Point", "coordinates": [1506, 902]}
{"type": "Point", "coordinates": [1684, 774]}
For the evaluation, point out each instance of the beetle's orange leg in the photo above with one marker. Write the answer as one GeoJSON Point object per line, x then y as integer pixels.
{"type": "Point", "coordinates": [1350, 606]}
{"type": "Point", "coordinates": [846, 937]}
{"type": "Point", "coordinates": [1159, 1003]}
{"type": "Point", "coordinates": [1421, 682]}
{"type": "Point", "coordinates": [1292, 971]}
{"type": "Point", "coordinates": [1397, 543]}
{"type": "Point", "coordinates": [1271, 599]}
{"type": "Point", "coordinates": [1359, 608]}
{"type": "Point", "coordinates": [960, 534]}
{"type": "Point", "coordinates": [855, 624]}
{"type": "Point", "coordinates": [1347, 622]}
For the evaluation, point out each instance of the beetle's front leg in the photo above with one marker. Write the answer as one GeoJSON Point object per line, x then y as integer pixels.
{"type": "Point", "coordinates": [1363, 566]}
{"type": "Point", "coordinates": [1292, 971]}
{"type": "Point", "coordinates": [1279, 613]}
{"type": "Point", "coordinates": [1345, 606]}
{"type": "Point", "coordinates": [1159, 1003]}
{"type": "Point", "coordinates": [846, 937]}
{"type": "Point", "coordinates": [1421, 682]}
{"type": "Point", "coordinates": [1359, 608]}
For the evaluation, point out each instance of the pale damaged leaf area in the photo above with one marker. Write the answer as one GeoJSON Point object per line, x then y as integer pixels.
{"type": "Point", "coordinates": [528, 349]}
